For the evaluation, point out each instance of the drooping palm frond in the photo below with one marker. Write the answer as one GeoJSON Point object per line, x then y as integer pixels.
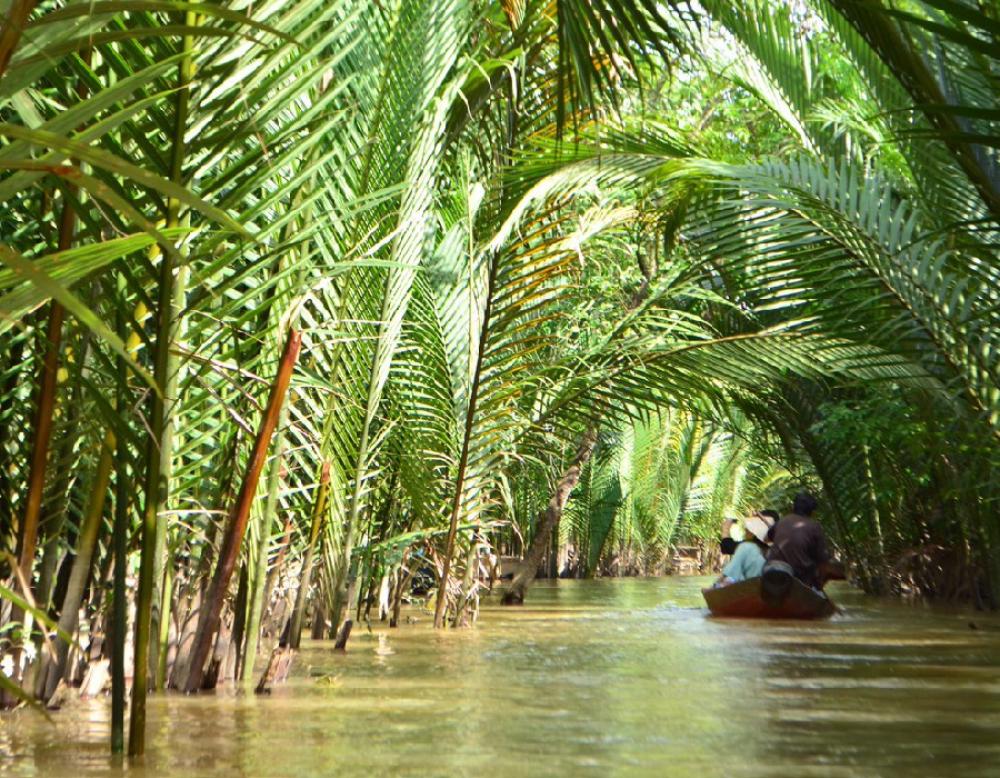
{"type": "Point", "coordinates": [944, 55]}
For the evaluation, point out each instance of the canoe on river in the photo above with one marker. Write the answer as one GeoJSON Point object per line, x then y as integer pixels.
{"type": "Point", "coordinates": [745, 600]}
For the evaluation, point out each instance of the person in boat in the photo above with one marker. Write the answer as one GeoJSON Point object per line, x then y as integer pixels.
{"type": "Point", "coordinates": [799, 542]}
{"type": "Point", "coordinates": [728, 544]}
{"type": "Point", "coordinates": [775, 518]}
{"type": "Point", "coordinates": [749, 556]}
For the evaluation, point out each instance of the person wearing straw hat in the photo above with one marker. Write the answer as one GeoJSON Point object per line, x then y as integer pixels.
{"type": "Point", "coordinates": [748, 559]}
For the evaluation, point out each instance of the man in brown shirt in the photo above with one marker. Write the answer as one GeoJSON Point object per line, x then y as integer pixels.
{"type": "Point", "coordinates": [799, 541]}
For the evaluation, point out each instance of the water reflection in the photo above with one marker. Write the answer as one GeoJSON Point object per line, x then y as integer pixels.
{"type": "Point", "coordinates": [625, 677]}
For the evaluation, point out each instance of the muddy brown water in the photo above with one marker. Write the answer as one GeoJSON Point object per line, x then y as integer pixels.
{"type": "Point", "coordinates": [607, 677]}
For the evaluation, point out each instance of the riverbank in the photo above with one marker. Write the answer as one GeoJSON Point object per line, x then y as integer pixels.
{"type": "Point", "coordinates": [613, 676]}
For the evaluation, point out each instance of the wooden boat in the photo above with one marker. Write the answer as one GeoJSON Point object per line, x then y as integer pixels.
{"type": "Point", "coordinates": [746, 600]}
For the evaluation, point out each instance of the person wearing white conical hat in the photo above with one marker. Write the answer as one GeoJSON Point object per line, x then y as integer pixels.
{"type": "Point", "coordinates": [748, 559]}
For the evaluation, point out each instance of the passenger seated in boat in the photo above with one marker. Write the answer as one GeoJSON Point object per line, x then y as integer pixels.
{"type": "Point", "coordinates": [775, 518]}
{"type": "Point", "coordinates": [728, 544]}
{"type": "Point", "coordinates": [748, 559]}
{"type": "Point", "coordinates": [799, 542]}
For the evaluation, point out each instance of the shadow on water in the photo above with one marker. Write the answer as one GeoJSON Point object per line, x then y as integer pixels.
{"type": "Point", "coordinates": [624, 677]}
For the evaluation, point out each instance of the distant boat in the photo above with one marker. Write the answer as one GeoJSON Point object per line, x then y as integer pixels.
{"type": "Point", "coordinates": [746, 600]}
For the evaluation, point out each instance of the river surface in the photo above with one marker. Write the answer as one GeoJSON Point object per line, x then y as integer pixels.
{"type": "Point", "coordinates": [607, 677]}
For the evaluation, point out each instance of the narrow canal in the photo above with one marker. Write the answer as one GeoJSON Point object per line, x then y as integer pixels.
{"type": "Point", "coordinates": [608, 677]}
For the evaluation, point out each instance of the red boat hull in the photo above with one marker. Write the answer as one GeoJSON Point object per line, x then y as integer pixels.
{"type": "Point", "coordinates": [743, 601]}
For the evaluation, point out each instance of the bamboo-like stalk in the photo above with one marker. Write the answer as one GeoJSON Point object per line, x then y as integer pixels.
{"type": "Point", "coordinates": [319, 512]}
{"type": "Point", "coordinates": [238, 629]}
{"type": "Point", "coordinates": [344, 572]}
{"type": "Point", "coordinates": [468, 581]}
{"type": "Point", "coordinates": [350, 598]}
{"type": "Point", "coordinates": [211, 612]}
{"type": "Point", "coordinates": [145, 594]}
{"type": "Point", "coordinates": [53, 668]}
{"type": "Point", "coordinates": [153, 486]}
{"type": "Point", "coordinates": [119, 611]}
{"type": "Point", "coordinates": [40, 441]}
{"type": "Point", "coordinates": [159, 657]}
{"type": "Point", "coordinates": [162, 575]}
{"type": "Point", "coordinates": [258, 584]}
{"type": "Point", "coordinates": [10, 32]}
{"type": "Point", "coordinates": [463, 462]}
{"type": "Point", "coordinates": [159, 625]}
{"type": "Point", "coordinates": [43, 419]}
{"type": "Point", "coordinates": [45, 410]}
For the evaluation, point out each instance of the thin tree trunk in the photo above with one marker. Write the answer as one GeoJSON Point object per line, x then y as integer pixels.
{"type": "Point", "coordinates": [471, 571]}
{"type": "Point", "coordinates": [163, 628]}
{"type": "Point", "coordinates": [144, 596]}
{"type": "Point", "coordinates": [463, 462]}
{"type": "Point", "coordinates": [239, 620]}
{"type": "Point", "coordinates": [161, 576]}
{"type": "Point", "coordinates": [274, 574]}
{"type": "Point", "coordinates": [369, 598]}
{"type": "Point", "coordinates": [239, 515]}
{"type": "Point", "coordinates": [258, 589]}
{"type": "Point", "coordinates": [10, 32]}
{"type": "Point", "coordinates": [154, 487]}
{"type": "Point", "coordinates": [873, 503]}
{"type": "Point", "coordinates": [397, 601]}
{"type": "Point", "coordinates": [319, 620]}
{"type": "Point", "coordinates": [345, 629]}
{"type": "Point", "coordinates": [28, 535]}
{"type": "Point", "coordinates": [55, 506]}
{"type": "Point", "coordinates": [119, 610]}
{"type": "Point", "coordinates": [319, 512]}
{"type": "Point", "coordinates": [53, 668]}
{"type": "Point", "coordinates": [43, 428]}
{"type": "Point", "coordinates": [347, 600]}
{"type": "Point", "coordinates": [550, 519]}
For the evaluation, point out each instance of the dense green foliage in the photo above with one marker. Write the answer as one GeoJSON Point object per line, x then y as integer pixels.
{"type": "Point", "coordinates": [746, 246]}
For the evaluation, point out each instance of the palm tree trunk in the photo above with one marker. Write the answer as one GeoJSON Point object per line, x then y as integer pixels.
{"type": "Point", "coordinates": [571, 476]}
{"type": "Point", "coordinates": [258, 587]}
{"type": "Point", "coordinates": [239, 623]}
{"type": "Point", "coordinates": [13, 26]}
{"type": "Point", "coordinates": [161, 576]}
{"type": "Point", "coordinates": [319, 512]}
{"type": "Point", "coordinates": [158, 658]}
{"type": "Point", "coordinates": [145, 594]}
{"type": "Point", "coordinates": [463, 462]}
{"type": "Point", "coordinates": [347, 602]}
{"type": "Point", "coordinates": [53, 668]}
{"type": "Point", "coordinates": [119, 610]}
{"type": "Point", "coordinates": [28, 535]}
{"type": "Point", "coordinates": [550, 519]}
{"type": "Point", "coordinates": [154, 488]}
{"type": "Point", "coordinates": [344, 574]}
{"type": "Point", "coordinates": [471, 570]}
{"type": "Point", "coordinates": [208, 623]}
{"type": "Point", "coordinates": [43, 425]}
